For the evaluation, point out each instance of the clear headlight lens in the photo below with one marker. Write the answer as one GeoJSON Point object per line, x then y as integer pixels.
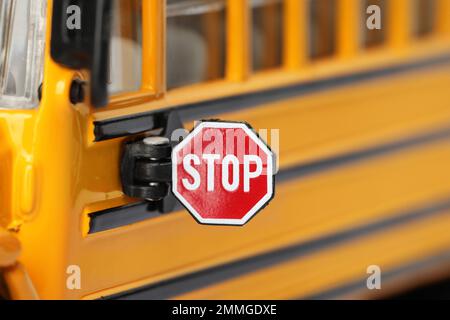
{"type": "Point", "coordinates": [22, 41]}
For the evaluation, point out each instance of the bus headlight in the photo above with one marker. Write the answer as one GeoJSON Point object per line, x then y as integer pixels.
{"type": "Point", "coordinates": [22, 41]}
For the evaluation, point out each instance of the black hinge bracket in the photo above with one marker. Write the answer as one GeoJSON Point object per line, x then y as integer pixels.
{"type": "Point", "coordinates": [146, 164]}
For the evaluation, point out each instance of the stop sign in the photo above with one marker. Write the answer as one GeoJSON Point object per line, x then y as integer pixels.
{"type": "Point", "coordinates": [222, 173]}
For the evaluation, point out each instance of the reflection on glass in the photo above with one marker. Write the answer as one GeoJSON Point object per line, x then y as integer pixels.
{"type": "Point", "coordinates": [126, 46]}
{"type": "Point", "coordinates": [322, 20]}
{"type": "Point", "coordinates": [424, 17]}
{"type": "Point", "coordinates": [195, 41]}
{"type": "Point", "coordinates": [373, 37]}
{"type": "Point", "coordinates": [267, 33]}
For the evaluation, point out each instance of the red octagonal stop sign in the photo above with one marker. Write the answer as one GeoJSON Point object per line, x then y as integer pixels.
{"type": "Point", "coordinates": [223, 173]}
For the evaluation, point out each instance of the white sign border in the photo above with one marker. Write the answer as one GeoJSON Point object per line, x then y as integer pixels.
{"type": "Point", "coordinates": [270, 177]}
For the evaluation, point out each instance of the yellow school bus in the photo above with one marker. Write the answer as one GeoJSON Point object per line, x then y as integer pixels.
{"type": "Point", "coordinates": [358, 114]}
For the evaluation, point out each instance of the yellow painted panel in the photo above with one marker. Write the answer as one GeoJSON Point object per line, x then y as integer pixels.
{"type": "Point", "coordinates": [304, 209]}
{"type": "Point", "coordinates": [321, 125]}
{"type": "Point", "coordinates": [400, 22]}
{"type": "Point", "coordinates": [339, 265]}
{"type": "Point", "coordinates": [348, 28]}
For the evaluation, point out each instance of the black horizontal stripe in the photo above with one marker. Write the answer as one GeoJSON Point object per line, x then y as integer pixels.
{"type": "Point", "coordinates": [147, 121]}
{"type": "Point", "coordinates": [121, 216]}
{"type": "Point", "coordinates": [198, 280]}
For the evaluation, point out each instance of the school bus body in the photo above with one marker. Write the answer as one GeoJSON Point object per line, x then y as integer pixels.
{"type": "Point", "coordinates": [364, 176]}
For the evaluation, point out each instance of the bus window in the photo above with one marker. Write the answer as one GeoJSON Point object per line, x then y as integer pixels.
{"type": "Point", "coordinates": [373, 37]}
{"type": "Point", "coordinates": [267, 33]}
{"type": "Point", "coordinates": [424, 17]}
{"type": "Point", "coordinates": [322, 20]}
{"type": "Point", "coordinates": [126, 47]}
{"type": "Point", "coordinates": [195, 50]}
